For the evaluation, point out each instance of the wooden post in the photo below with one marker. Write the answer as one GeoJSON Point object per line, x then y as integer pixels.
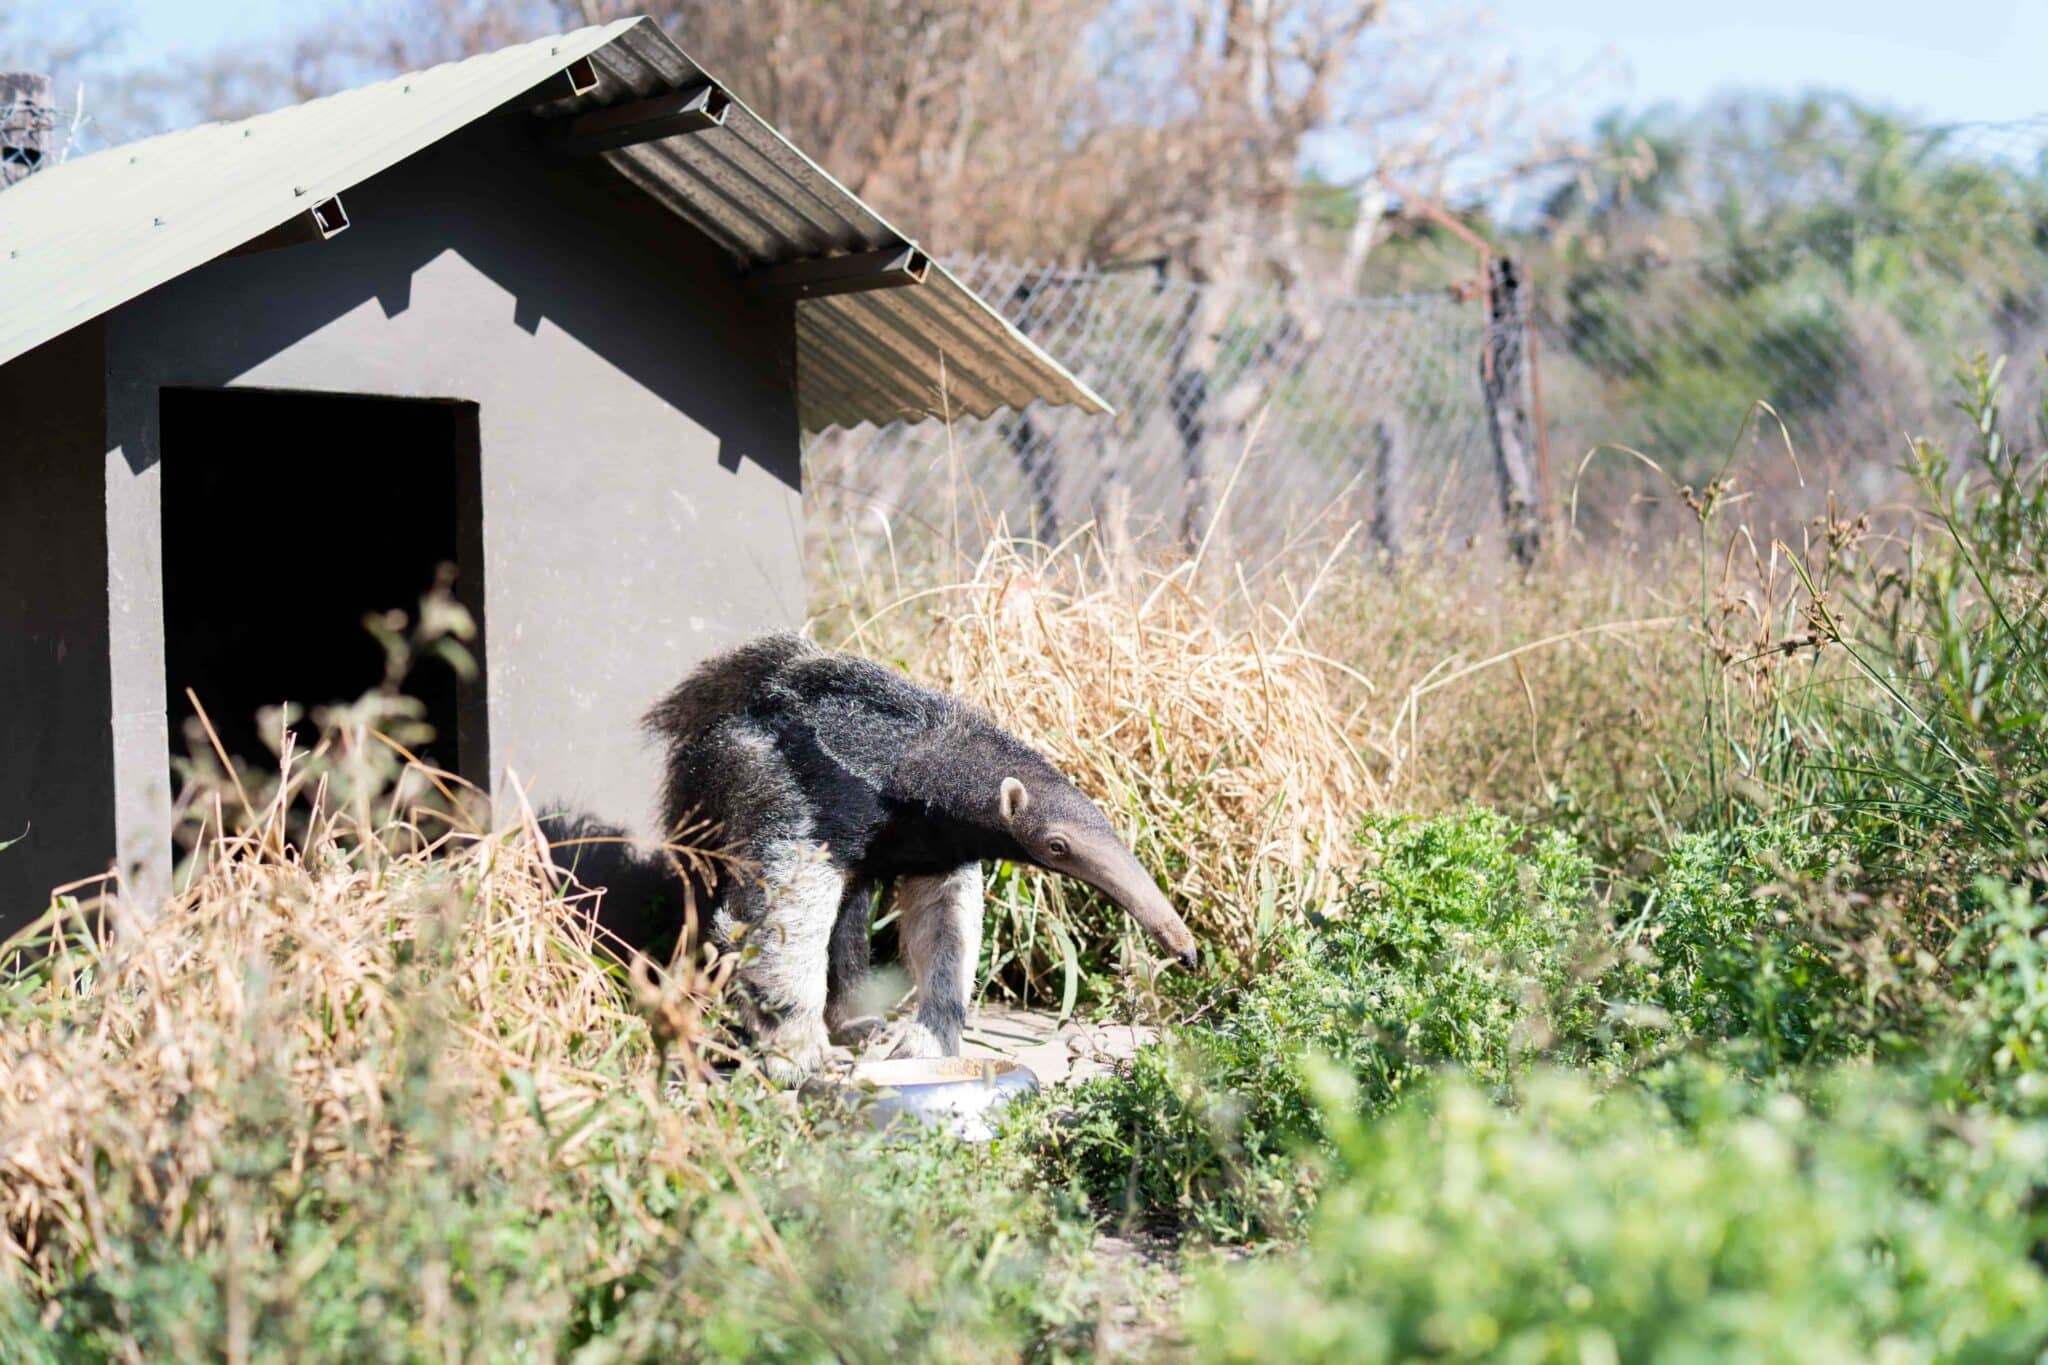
{"type": "Point", "coordinates": [28, 123]}
{"type": "Point", "coordinates": [1504, 374]}
{"type": "Point", "coordinates": [1034, 457]}
{"type": "Point", "coordinates": [1188, 397]}
{"type": "Point", "coordinates": [1187, 401]}
{"type": "Point", "coordinates": [1197, 346]}
{"type": "Point", "coordinates": [1389, 487]}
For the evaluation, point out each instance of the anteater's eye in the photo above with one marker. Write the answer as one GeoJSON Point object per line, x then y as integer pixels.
{"type": "Point", "coordinates": [1056, 846]}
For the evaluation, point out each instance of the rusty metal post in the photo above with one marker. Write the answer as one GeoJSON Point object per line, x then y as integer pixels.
{"type": "Point", "coordinates": [1504, 374]}
{"type": "Point", "coordinates": [28, 124]}
{"type": "Point", "coordinates": [1390, 487]}
{"type": "Point", "coordinates": [1546, 488]}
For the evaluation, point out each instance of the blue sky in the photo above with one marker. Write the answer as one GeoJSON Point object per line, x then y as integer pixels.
{"type": "Point", "coordinates": [1946, 61]}
{"type": "Point", "coordinates": [1949, 61]}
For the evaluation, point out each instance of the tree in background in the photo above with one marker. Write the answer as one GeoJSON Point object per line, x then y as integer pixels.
{"type": "Point", "coordinates": [1065, 130]}
{"type": "Point", "coordinates": [980, 122]}
{"type": "Point", "coordinates": [1815, 252]}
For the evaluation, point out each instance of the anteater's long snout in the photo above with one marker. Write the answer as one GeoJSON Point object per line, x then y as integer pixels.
{"type": "Point", "coordinates": [1115, 871]}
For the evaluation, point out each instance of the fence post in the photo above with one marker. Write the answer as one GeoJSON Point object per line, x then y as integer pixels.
{"type": "Point", "coordinates": [1197, 346]}
{"type": "Point", "coordinates": [28, 121]}
{"type": "Point", "coordinates": [1187, 397]}
{"type": "Point", "coordinates": [1389, 487]}
{"type": "Point", "coordinates": [1025, 443]}
{"type": "Point", "coordinates": [1504, 374]}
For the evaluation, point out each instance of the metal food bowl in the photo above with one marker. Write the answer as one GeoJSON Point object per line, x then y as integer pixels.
{"type": "Point", "coordinates": [961, 1095]}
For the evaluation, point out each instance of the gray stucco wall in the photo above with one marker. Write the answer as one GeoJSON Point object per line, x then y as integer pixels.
{"type": "Point", "coordinates": [56, 750]}
{"type": "Point", "coordinates": [639, 440]}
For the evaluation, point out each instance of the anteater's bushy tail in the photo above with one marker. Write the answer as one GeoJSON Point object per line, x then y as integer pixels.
{"type": "Point", "coordinates": [721, 686]}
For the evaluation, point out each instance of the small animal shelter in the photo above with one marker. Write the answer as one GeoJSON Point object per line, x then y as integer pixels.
{"type": "Point", "coordinates": [558, 316]}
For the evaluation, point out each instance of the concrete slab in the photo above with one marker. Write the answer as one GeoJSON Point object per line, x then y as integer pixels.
{"type": "Point", "coordinates": [1057, 1052]}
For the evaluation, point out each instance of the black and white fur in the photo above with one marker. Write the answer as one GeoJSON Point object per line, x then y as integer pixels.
{"type": "Point", "coordinates": [831, 777]}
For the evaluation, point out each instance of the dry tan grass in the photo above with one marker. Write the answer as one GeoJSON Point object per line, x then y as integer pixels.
{"type": "Point", "coordinates": [312, 980]}
{"type": "Point", "coordinates": [1238, 732]}
{"type": "Point", "coordinates": [359, 1089]}
{"type": "Point", "coordinates": [1206, 726]}
{"type": "Point", "coordinates": [1594, 693]}
{"type": "Point", "coordinates": [1507, 690]}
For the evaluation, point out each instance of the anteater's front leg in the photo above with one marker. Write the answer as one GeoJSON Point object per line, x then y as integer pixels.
{"type": "Point", "coordinates": [941, 929]}
{"type": "Point", "coordinates": [788, 944]}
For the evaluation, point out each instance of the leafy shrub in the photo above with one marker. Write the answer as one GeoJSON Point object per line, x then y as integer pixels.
{"type": "Point", "coordinates": [1745, 936]}
{"type": "Point", "coordinates": [1452, 947]}
{"type": "Point", "coordinates": [1580, 1227]}
{"type": "Point", "coordinates": [1879, 911]}
{"type": "Point", "coordinates": [1997, 1047]}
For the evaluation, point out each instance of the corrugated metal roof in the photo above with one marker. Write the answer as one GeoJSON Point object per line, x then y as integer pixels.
{"type": "Point", "coordinates": [79, 239]}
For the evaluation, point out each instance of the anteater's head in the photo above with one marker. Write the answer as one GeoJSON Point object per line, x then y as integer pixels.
{"type": "Point", "coordinates": [1060, 830]}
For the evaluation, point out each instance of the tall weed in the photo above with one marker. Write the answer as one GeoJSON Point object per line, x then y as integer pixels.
{"type": "Point", "coordinates": [1946, 748]}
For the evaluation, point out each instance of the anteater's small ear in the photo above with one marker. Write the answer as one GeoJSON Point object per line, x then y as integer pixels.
{"type": "Point", "coordinates": [1014, 799]}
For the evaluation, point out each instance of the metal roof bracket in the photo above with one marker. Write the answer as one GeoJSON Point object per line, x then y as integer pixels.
{"type": "Point", "coordinates": [581, 75]}
{"type": "Point", "coordinates": [892, 267]}
{"type": "Point", "coordinates": [692, 109]}
{"type": "Point", "coordinates": [324, 220]}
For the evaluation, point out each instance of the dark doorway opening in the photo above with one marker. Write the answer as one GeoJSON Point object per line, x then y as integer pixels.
{"type": "Point", "coordinates": [287, 518]}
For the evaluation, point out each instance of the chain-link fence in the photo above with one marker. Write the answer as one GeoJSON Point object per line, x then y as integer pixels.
{"type": "Point", "coordinates": [1327, 411]}
{"type": "Point", "coordinates": [1290, 421]}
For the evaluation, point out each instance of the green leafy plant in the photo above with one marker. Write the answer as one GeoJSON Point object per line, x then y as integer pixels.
{"type": "Point", "coordinates": [1581, 1226]}
{"type": "Point", "coordinates": [1454, 946]}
